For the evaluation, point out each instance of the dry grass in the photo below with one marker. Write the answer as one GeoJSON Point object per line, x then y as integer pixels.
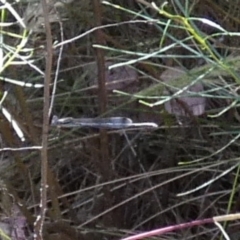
{"type": "Point", "coordinates": [136, 187]}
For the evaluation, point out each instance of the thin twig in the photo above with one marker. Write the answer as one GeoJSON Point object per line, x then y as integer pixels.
{"type": "Point", "coordinates": [57, 71]}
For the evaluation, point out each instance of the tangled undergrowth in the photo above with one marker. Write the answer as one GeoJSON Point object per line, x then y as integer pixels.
{"type": "Point", "coordinates": [109, 184]}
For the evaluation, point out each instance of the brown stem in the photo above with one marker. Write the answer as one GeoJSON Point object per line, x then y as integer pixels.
{"type": "Point", "coordinates": [104, 163]}
{"type": "Point", "coordinates": [44, 156]}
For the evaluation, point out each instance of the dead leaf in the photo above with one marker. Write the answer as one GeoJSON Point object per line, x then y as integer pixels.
{"type": "Point", "coordinates": [183, 105]}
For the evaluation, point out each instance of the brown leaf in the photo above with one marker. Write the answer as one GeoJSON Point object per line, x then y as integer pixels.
{"type": "Point", "coordinates": [183, 105]}
{"type": "Point", "coordinates": [117, 78]}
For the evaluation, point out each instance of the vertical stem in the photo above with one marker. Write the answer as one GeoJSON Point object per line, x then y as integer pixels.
{"type": "Point", "coordinates": [44, 156]}
{"type": "Point", "coordinates": [104, 162]}
{"type": "Point", "coordinates": [102, 92]}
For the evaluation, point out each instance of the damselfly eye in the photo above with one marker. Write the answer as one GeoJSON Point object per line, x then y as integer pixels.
{"type": "Point", "coordinates": [54, 120]}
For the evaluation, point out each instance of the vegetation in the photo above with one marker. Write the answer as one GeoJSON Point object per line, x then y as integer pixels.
{"type": "Point", "coordinates": [175, 64]}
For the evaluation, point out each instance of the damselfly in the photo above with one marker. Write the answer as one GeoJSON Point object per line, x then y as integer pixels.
{"type": "Point", "coordinates": [106, 123]}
